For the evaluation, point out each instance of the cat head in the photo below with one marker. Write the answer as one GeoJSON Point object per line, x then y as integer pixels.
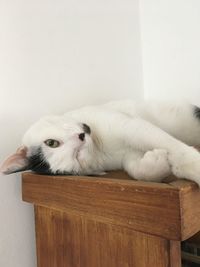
{"type": "Point", "coordinates": [53, 145]}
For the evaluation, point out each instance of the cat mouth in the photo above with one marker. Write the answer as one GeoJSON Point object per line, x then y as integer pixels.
{"type": "Point", "coordinates": [38, 163]}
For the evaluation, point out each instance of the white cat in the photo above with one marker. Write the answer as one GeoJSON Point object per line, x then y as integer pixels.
{"type": "Point", "coordinates": [147, 140]}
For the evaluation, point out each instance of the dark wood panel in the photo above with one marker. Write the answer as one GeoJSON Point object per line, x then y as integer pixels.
{"type": "Point", "coordinates": [65, 240]}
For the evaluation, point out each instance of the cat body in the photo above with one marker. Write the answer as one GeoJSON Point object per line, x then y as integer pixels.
{"type": "Point", "coordinates": [149, 140]}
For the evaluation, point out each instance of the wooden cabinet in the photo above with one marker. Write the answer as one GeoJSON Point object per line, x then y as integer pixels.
{"type": "Point", "coordinates": [111, 221]}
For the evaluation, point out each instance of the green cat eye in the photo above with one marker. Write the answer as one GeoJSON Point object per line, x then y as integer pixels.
{"type": "Point", "coordinates": [52, 143]}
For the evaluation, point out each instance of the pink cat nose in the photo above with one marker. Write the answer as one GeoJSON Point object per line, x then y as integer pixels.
{"type": "Point", "coordinates": [82, 136]}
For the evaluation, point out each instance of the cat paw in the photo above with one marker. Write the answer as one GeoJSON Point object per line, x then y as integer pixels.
{"type": "Point", "coordinates": [154, 166]}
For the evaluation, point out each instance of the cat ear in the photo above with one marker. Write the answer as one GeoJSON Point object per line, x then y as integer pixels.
{"type": "Point", "coordinates": [16, 162]}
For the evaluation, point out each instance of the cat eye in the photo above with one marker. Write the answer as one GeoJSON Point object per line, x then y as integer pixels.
{"type": "Point", "coordinates": [52, 143]}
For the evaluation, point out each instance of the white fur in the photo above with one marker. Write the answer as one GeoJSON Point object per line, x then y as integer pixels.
{"type": "Point", "coordinates": [148, 140]}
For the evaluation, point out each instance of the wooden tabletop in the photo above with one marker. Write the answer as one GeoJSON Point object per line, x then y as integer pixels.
{"type": "Point", "coordinates": [169, 210]}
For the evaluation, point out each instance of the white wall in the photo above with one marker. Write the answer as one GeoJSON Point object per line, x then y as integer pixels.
{"type": "Point", "coordinates": [57, 55]}
{"type": "Point", "coordinates": [171, 48]}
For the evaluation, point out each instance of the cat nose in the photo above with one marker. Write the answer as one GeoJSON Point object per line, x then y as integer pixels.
{"type": "Point", "coordinates": [81, 136]}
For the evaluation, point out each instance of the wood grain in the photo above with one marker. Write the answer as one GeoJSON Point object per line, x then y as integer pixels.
{"type": "Point", "coordinates": [190, 210]}
{"type": "Point", "coordinates": [65, 240]}
{"type": "Point", "coordinates": [146, 207]}
{"type": "Point", "coordinates": [111, 221]}
{"type": "Point", "coordinates": [175, 253]}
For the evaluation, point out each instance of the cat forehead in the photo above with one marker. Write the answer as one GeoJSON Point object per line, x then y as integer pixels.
{"type": "Point", "coordinates": [51, 127]}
